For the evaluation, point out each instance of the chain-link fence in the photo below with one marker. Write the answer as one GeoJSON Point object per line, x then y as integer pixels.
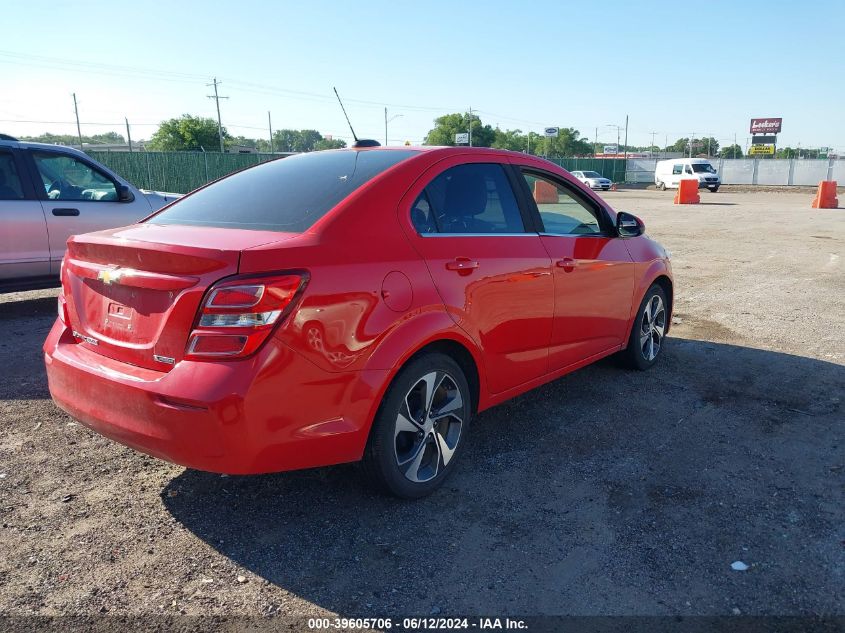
{"type": "Point", "coordinates": [611, 168]}
{"type": "Point", "coordinates": [176, 172]}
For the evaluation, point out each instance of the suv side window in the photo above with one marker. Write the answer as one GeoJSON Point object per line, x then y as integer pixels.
{"type": "Point", "coordinates": [467, 199]}
{"type": "Point", "coordinates": [561, 212]}
{"type": "Point", "coordinates": [10, 183]}
{"type": "Point", "coordinates": [66, 178]}
{"type": "Point", "coordinates": [677, 169]}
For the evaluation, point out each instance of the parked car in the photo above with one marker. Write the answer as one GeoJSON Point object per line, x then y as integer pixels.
{"type": "Point", "coordinates": [593, 179]}
{"type": "Point", "coordinates": [668, 173]}
{"type": "Point", "coordinates": [47, 194]}
{"type": "Point", "coordinates": [357, 304]}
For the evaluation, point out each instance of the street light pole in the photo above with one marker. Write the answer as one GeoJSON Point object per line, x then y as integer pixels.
{"type": "Point", "coordinates": [386, 121]}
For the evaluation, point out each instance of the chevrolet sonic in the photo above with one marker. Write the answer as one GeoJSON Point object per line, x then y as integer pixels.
{"type": "Point", "coordinates": [359, 304]}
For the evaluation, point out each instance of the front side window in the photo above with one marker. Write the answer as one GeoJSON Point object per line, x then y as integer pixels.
{"type": "Point", "coordinates": [66, 178]}
{"type": "Point", "coordinates": [677, 169]}
{"type": "Point", "coordinates": [468, 199]}
{"type": "Point", "coordinates": [10, 182]}
{"type": "Point", "coordinates": [287, 194]}
{"type": "Point", "coordinates": [560, 211]}
{"type": "Point", "coordinates": [705, 168]}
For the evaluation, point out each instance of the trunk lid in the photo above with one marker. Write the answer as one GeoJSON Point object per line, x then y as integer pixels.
{"type": "Point", "coordinates": [133, 293]}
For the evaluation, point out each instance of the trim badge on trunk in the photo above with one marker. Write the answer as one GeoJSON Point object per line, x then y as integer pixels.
{"type": "Point", "coordinates": [164, 359]}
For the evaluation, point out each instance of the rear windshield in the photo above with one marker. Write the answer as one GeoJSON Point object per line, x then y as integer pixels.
{"type": "Point", "coordinates": [289, 194]}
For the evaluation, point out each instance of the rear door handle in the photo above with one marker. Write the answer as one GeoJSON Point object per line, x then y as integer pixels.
{"type": "Point", "coordinates": [462, 263]}
{"type": "Point", "coordinates": [567, 263]}
{"type": "Point", "coordinates": [65, 212]}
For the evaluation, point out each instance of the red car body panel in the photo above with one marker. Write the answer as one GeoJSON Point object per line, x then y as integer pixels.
{"type": "Point", "coordinates": [378, 292]}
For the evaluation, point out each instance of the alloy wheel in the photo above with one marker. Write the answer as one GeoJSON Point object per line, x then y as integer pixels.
{"type": "Point", "coordinates": [428, 426]}
{"type": "Point", "coordinates": [652, 327]}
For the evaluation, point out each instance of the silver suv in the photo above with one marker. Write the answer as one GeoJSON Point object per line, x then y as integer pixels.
{"type": "Point", "coordinates": [47, 194]}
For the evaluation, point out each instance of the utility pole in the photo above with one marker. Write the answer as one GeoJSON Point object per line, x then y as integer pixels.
{"type": "Point", "coordinates": [691, 138]}
{"type": "Point", "coordinates": [529, 142]}
{"type": "Point", "coordinates": [596, 143]}
{"type": "Point", "coordinates": [733, 149]}
{"type": "Point", "coordinates": [470, 127]}
{"type": "Point", "coordinates": [626, 138]}
{"type": "Point", "coordinates": [128, 135]}
{"type": "Point", "coordinates": [270, 125]}
{"type": "Point", "coordinates": [217, 98]}
{"type": "Point", "coordinates": [385, 126]}
{"type": "Point", "coordinates": [78, 129]}
{"type": "Point", "coordinates": [652, 140]}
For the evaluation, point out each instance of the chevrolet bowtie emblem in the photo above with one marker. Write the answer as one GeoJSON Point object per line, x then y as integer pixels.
{"type": "Point", "coordinates": [109, 276]}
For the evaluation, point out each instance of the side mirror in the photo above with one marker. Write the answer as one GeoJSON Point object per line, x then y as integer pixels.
{"type": "Point", "coordinates": [124, 194]}
{"type": "Point", "coordinates": [628, 225]}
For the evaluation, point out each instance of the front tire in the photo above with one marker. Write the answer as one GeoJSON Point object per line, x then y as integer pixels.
{"type": "Point", "coordinates": [714, 189]}
{"type": "Point", "coordinates": [419, 428]}
{"type": "Point", "coordinates": [649, 330]}
{"type": "Point", "coordinates": [661, 186]}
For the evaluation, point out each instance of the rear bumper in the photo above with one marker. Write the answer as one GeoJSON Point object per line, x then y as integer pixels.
{"type": "Point", "coordinates": [272, 412]}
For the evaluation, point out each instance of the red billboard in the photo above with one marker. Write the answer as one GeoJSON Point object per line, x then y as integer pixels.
{"type": "Point", "coordinates": [766, 126]}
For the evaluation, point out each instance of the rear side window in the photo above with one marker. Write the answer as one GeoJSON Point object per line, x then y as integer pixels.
{"type": "Point", "coordinates": [473, 198]}
{"type": "Point", "coordinates": [10, 182]}
{"type": "Point", "coordinates": [677, 169]}
{"type": "Point", "coordinates": [289, 194]}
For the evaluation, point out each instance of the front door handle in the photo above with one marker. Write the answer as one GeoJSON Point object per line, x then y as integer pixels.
{"type": "Point", "coordinates": [461, 264]}
{"type": "Point", "coordinates": [65, 212]}
{"type": "Point", "coordinates": [567, 263]}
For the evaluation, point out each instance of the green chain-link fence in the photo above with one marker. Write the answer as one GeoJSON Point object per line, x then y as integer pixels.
{"type": "Point", "coordinates": [612, 168]}
{"type": "Point", "coordinates": [181, 172]}
{"type": "Point", "coordinates": [176, 172]}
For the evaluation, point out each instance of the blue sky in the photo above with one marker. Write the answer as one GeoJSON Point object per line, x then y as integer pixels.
{"type": "Point", "coordinates": [675, 68]}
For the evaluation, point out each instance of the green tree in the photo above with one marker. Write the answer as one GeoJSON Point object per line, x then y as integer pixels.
{"type": "Point", "coordinates": [566, 143]}
{"type": "Point", "coordinates": [731, 151]}
{"type": "Point", "coordinates": [300, 141]}
{"type": "Point", "coordinates": [699, 146]}
{"type": "Point", "coordinates": [187, 133]}
{"type": "Point", "coordinates": [72, 139]}
{"type": "Point", "coordinates": [513, 140]}
{"type": "Point", "coordinates": [329, 143]}
{"type": "Point", "coordinates": [446, 126]}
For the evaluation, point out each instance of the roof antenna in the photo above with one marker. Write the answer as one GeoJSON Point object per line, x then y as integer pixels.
{"type": "Point", "coordinates": [365, 142]}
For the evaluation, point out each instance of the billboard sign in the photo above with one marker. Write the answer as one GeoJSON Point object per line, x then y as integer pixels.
{"type": "Point", "coordinates": [462, 138]}
{"type": "Point", "coordinates": [756, 150]}
{"type": "Point", "coordinates": [760, 139]}
{"type": "Point", "coordinates": [551, 131]}
{"type": "Point", "coordinates": [766, 126]}
{"type": "Point", "coordinates": [611, 149]}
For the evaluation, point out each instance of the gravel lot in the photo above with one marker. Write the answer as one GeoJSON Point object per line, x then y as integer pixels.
{"type": "Point", "coordinates": [606, 492]}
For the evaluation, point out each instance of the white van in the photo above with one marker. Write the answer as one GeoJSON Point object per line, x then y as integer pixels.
{"type": "Point", "coordinates": [669, 173]}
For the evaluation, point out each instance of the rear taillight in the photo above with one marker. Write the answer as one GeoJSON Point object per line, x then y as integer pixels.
{"type": "Point", "coordinates": [238, 315]}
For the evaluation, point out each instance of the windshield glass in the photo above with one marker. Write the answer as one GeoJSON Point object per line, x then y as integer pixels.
{"type": "Point", "coordinates": [592, 174]}
{"type": "Point", "coordinates": [703, 167]}
{"type": "Point", "coordinates": [287, 194]}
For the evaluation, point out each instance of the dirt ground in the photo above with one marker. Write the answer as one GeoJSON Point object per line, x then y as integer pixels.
{"type": "Point", "coordinates": [607, 492]}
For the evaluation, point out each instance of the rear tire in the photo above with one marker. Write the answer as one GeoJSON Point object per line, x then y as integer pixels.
{"type": "Point", "coordinates": [649, 330]}
{"type": "Point", "coordinates": [419, 428]}
{"type": "Point", "coordinates": [661, 186]}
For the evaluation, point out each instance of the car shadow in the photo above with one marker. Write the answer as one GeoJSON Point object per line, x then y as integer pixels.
{"type": "Point", "coordinates": [25, 323]}
{"type": "Point", "coordinates": [607, 491]}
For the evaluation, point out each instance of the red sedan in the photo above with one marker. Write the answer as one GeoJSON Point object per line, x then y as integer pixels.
{"type": "Point", "coordinates": [348, 305]}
